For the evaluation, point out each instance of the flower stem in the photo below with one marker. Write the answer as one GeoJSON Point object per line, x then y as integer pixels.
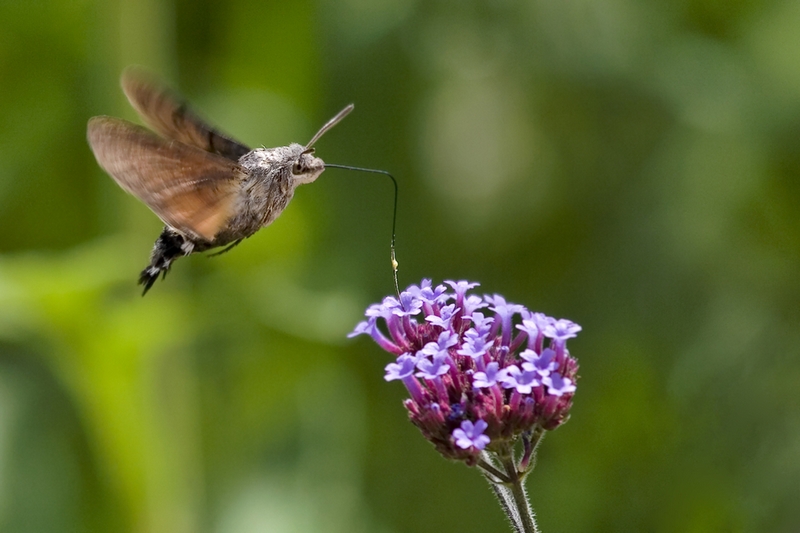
{"type": "Point", "coordinates": [511, 493]}
{"type": "Point", "coordinates": [523, 506]}
{"type": "Point", "coordinates": [530, 442]}
{"type": "Point", "coordinates": [507, 503]}
{"type": "Point", "coordinates": [492, 474]}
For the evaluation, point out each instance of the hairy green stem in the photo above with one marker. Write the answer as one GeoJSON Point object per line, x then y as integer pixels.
{"type": "Point", "coordinates": [510, 489]}
{"type": "Point", "coordinates": [519, 497]}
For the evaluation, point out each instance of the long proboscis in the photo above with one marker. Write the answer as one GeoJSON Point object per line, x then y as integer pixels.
{"type": "Point", "coordinates": [394, 214]}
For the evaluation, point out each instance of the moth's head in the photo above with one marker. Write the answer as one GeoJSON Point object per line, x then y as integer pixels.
{"type": "Point", "coordinates": [305, 167]}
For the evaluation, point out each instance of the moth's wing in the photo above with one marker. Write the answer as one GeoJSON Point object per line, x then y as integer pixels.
{"type": "Point", "coordinates": [189, 189]}
{"type": "Point", "coordinates": [165, 112]}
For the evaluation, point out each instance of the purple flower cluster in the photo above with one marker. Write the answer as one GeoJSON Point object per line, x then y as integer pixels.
{"type": "Point", "coordinates": [478, 369]}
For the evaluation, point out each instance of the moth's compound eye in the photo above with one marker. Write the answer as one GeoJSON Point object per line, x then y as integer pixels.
{"type": "Point", "coordinates": [298, 168]}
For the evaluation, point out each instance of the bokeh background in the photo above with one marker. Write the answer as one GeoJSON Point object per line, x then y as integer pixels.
{"type": "Point", "coordinates": [633, 166]}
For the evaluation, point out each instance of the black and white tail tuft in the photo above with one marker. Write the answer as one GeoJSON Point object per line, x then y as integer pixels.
{"type": "Point", "coordinates": [169, 246]}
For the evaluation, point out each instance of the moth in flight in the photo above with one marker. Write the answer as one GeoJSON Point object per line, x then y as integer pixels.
{"type": "Point", "coordinates": [209, 189]}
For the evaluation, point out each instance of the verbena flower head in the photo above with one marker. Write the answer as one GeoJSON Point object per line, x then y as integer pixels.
{"type": "Point", "coordinates": [480, 371]}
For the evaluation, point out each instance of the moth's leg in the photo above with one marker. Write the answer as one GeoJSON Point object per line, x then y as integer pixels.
{"type": "Point", "coordinates": [227, 248]}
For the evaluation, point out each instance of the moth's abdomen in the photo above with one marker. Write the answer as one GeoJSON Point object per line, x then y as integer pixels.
{"type": "Point", "coordinates": [169, 246]}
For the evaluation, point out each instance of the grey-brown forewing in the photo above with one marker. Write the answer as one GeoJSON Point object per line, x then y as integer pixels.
{"type": "Point", "coordinates": [190, 189]}
{"type": "Point", "coordinates": [166, 113]}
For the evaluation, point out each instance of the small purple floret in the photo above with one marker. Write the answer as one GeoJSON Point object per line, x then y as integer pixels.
{"type": "Point", "coordinates": [415, 290]}
{"type": "Point", "coordinates": [557, 385]}
{"type": "Point", "coordinates": [529, 327]}
{"type": "Point", "coordinates": [474, 345]}
{"type": "Point", "coordinates": [561, 329]}
{"type": "Point", "coordinates": [431, 369]}
{"type": "Point", "coordinates": [487, 378]}
{"type": "Point", "coordinates": [522, 381]}
{"type": "Point", "coordinates": [446, 340]}
{"type": "Point", "coordinates": [541, 364]}
{"type": "Point", "coordinates": [370, 327]}
{"type": "Point", "coordinates": [403, 368]}
{"type": "Point", "coordinates": [481, 324]}
{"type": "Point", "coordinates": [501, 307]}
{"type": "Point", "coordinates": [446, 314]}
{"type": "Point", "coordinates": [541, 320]}
{"type": "Point", "coordinates": [407, 305]}
{"type": "Point", "coordinates": [434, 295]}
{"type": "Point", "coordinates": [461, 287]}
{"type": "Point", "coordinates": [361, 327]}
{"type": "Point", "coordinates": [472, 303]}
{"type": "Point", "coordinates": [378, 311]}
{"type": "Point", "coordinates": [471, 435]}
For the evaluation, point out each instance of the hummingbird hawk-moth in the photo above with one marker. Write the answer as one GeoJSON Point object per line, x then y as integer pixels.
{"type": "Point", "coordinates": [209, 189]}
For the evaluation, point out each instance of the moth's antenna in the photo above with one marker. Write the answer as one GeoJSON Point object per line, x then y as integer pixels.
{"type": "Point", "coordinates": [374, 171]}
{"type": "Point", "coordinates": [328, 125]}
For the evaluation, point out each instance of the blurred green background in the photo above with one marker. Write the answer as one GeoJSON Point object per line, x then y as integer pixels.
{"type": "Point", "coordinates": [630, 165]}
